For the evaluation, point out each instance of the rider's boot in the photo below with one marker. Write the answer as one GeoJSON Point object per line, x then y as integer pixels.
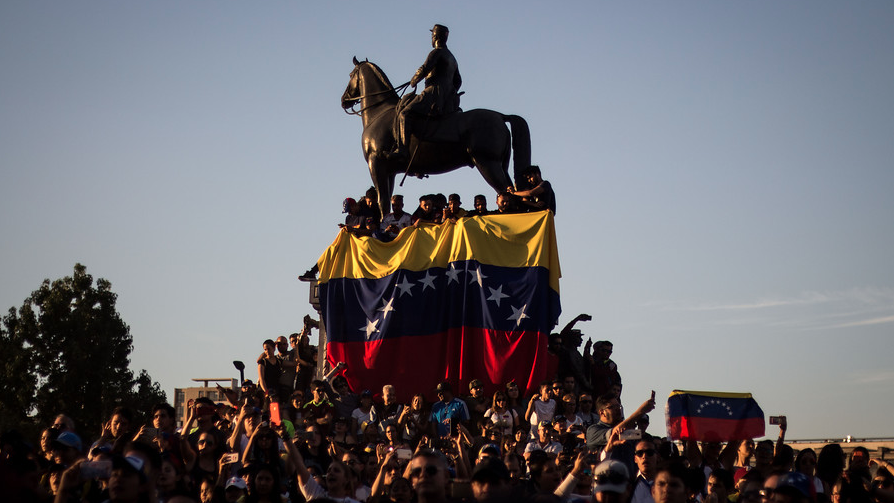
{"type": "Point", "coordinates": [399, 153]}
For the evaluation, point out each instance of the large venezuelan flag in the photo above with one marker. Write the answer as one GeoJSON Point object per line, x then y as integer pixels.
{"type": "Point", "coordinates": [471, 300]}
{"type": "Point", "coordinates": [711, 416]}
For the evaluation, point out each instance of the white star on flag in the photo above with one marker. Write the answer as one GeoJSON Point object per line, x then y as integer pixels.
{"type": "Point", "coordinates": [370, 327]}
{"type": "Point", "coordinates": [496, 294]}
{"type": "Point", "coordinates": [428, 281]}
{"type": "Point", "coordinates": [478, 278]}
{"type": "Point", "coordinates": [404, 287]}
{"type": "Point", "coordinates": [518, 315]}
{"type": "Point", "coordinates": [387, 307]}
{"type": "Point", "coordinates": [452, 274]}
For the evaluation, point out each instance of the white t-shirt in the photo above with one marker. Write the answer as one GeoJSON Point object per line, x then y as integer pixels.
{"type": "Point", "coordinates": [312, 491]}
{"type": "Point", "coordinates": [543, 411]}
{"type": "Point", "coordinates": [505, 420]}
{"type": "Point", "coordinates": [362, 417]}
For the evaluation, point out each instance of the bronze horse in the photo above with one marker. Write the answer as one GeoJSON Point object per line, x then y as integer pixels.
{"type": "Point", "coordinates": [476, 138]}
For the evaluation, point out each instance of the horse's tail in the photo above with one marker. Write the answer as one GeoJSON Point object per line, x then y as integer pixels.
{"type": "Point", "coordinates": [521, 146]}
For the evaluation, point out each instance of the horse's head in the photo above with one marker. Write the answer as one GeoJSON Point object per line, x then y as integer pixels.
{"type": "Point", "coordinates": [367, 80]}
{"type": "Point", "coordinates": [352, 93]}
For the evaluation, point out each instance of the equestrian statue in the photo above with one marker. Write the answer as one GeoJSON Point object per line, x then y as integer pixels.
{"type": "Point", "coordinates": [427, 133]}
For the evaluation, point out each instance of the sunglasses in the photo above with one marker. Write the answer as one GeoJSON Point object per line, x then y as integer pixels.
{"type": "Point", "coordinates": [430, 470]}
{"type": "Point", "coordinates": [645, 452]}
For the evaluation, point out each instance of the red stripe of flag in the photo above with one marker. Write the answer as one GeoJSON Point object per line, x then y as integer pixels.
{"type": "Point", "coordinates": [715, 430]}
{"type": "Point", "coordinates": [417, 364]}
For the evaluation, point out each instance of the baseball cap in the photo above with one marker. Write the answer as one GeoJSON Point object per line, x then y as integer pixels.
{"type": "Point", "coordinates": [611, 476]}
{"type": "Point", "coordinates": [490, 449]}
{"type": "Point", "coordinates": [68, 439]}
{"type": "Point", "coordinates": [796, 484]}
{"type": "Point", "coordinates": [130, 463]}
{"type": "Point", "coordinates": [236, 482]}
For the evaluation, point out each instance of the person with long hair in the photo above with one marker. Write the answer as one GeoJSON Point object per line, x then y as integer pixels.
{"type": "Point", "coordinates": [414, 419]}
{"type": "Point", "coordinates": [269, 370]}
{"type": "Point", "coordinates": [339, 487]}
{"type": "Point", "coordinates": [264, 485]}
{"type": "Point", "coordinates": [205, 464]}
{"type": "Point", "coordinates": [264, 447]}
{"type": "Point", "coordinates": [341, 436]}
{"type": "Point", "coordinates": [170, 481]}
{"type": "Point", "coordinates": [393, 438]}
{"type": "Point", "coordinates": [805, 462]}
{"type": "Point", "coordinates": [830, 465]}
{"type": "Point", "coordinates": [503, 418]}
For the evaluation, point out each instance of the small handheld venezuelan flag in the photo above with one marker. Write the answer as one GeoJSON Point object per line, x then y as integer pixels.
{"type": "Point", "coordinates": [711, 416]}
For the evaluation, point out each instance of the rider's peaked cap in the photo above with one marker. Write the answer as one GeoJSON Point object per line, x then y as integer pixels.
{"type": "Point", "coordinates": [441, 28]}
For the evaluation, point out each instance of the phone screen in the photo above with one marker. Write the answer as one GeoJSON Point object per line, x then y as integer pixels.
{"type": "Point", "coordinates": [274, 413]}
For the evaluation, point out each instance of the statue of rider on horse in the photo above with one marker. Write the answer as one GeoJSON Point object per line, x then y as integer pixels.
{"type": "Point", "coordinates": [427, 133]}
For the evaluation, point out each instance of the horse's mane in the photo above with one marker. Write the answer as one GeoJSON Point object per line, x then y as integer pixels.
{"type": "Point", "coordinates": [379, 73]}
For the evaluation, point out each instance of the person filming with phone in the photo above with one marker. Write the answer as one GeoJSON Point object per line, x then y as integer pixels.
{"type": "Point", "coordinates": [615, 436]}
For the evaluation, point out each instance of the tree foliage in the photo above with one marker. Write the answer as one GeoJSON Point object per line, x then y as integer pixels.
{"type": "Point", "coordinates": [67, 350]}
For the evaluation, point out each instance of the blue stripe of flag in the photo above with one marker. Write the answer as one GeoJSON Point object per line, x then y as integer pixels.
{"type": "Point", "coordinates": [438, 299]}
{"type": "Point", "coordinates": [702, 406]}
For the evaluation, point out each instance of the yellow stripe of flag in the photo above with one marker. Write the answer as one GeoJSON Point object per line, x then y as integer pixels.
{"type": "Point", "coordinates": [518, 240]}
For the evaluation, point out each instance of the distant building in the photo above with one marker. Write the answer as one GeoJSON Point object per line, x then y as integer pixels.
{"type": "Point", "coordinates": [183, 395]}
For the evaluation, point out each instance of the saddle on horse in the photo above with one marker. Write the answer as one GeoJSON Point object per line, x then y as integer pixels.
{"type": "Point", "coordinates": [420, 121]}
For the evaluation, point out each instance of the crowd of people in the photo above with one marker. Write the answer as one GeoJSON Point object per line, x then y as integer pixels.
{"type": "Point", "coordinates": [363, 216]}
{"type": "Point", "coordinates": [293, 437]}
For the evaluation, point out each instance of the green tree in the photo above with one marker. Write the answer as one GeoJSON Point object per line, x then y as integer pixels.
{"type": "Point", "coordinates": [16, 373]}
{"type": "Point", "coordinates": [67, 351]}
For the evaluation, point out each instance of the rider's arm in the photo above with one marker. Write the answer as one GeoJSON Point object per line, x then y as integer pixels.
{"type": "Point", "coordinates": [426, 67]}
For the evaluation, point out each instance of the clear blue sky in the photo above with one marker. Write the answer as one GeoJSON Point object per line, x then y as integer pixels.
{"type": "Point", "coordinates": [723, 170]}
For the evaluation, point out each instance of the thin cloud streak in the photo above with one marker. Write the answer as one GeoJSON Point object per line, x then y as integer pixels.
{"type": "Point", "coordinates": [859, 296]}
{"type": "Point", "coordinates": [809, 311]}
{"type": "Point", "coordinates": [864, 323]}
{"type": "Point", "coordinates": [874, 377]}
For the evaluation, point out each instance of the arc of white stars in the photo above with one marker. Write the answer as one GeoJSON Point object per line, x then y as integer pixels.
{"type": "Point", "coordinates": [370, 328]}
{"type": "Point", "coordinates": [404, 287]}
{"type": "Point", "coordinates": [387, 307]}
{"type": "Point", "coordinates": [478, 277]}
{"type": "Point", "coordinates": [518, 315]}
{"type": "Point", "coordinates": [496, 294]}
{"type": "Point", "coordinates": [452, 274]}
{"type": "Point", "coordinates": [428, 281]}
